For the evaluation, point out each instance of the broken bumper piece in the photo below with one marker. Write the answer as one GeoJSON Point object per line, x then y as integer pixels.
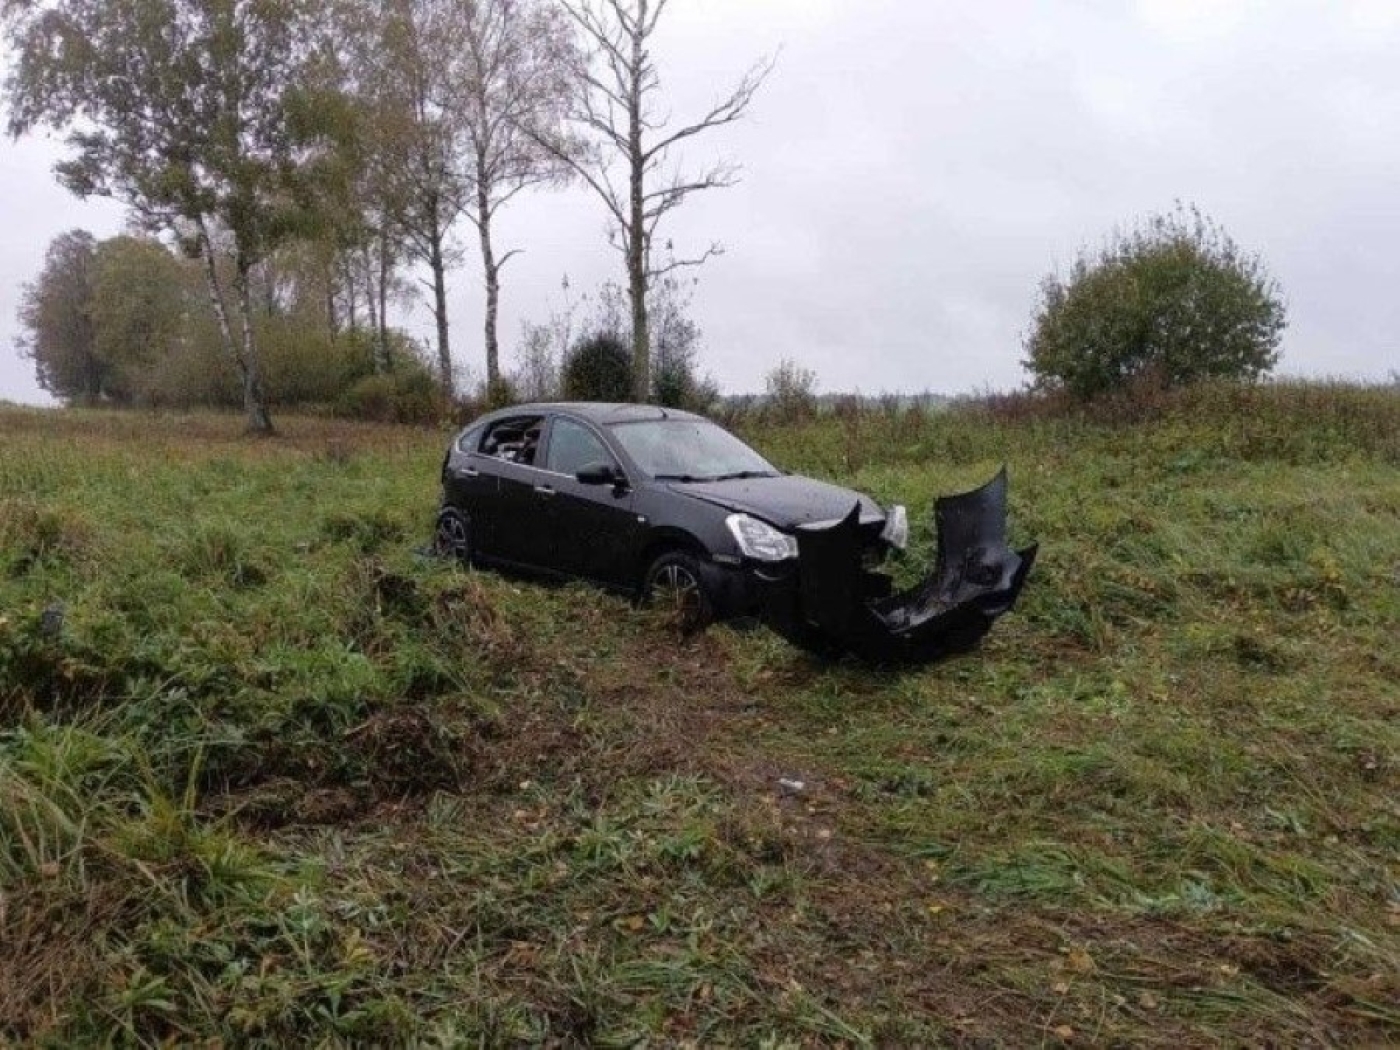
{"type": "Point", "coordinates": [833, 604]}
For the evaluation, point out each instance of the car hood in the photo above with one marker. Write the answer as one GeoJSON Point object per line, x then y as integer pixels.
{"type": "Point", "coordinates": [787, 501]}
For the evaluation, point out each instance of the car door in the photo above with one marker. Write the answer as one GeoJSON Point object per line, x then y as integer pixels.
{"type": "Point", "coordinates": [469, 484]}
{"type": "Point", "coordinates": [592, 527]}
{"type": "Point", "coordinates": [514, 523]}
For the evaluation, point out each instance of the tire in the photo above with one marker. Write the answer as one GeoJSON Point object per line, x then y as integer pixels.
{"type": "Point", "coordinates": [675, 583]}
{"type": "Point", "coordinates": [452, 537]}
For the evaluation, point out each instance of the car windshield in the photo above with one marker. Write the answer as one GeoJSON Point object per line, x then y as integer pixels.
{"type": "Point", "coordinates": [689, 450]}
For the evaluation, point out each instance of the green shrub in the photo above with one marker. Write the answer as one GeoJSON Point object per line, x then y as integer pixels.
{"type": "Point", "coordinates": [499, 394]}
{"type": "Point", "coordinates": [1173, 301]}
{"type": "Point", "coordinates": [599, 369]}
{"type": "Point", "coordinates": [303, 365]}
{"type": "Point", "coordinates": [792, 391]}
{"type": "Point", "coordinates": [409, 395]}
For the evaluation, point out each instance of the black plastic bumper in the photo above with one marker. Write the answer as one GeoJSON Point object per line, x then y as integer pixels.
{"type": "Point", "coordinates": [831, 603]}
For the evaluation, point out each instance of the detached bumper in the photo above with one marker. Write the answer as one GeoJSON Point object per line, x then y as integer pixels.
{"type": "Point", "coordinates": [831, 603]}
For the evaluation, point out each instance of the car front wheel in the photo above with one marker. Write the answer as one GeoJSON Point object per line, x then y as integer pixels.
{"type": "Point", "coordinates": [675, 584]}
{"type": "Point", "coordinates": [453, 536]}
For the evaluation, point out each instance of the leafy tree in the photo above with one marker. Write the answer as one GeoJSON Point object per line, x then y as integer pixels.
{"type": "Point", "coordinates": [56, 313]}
{"type": "Point", "coordinates": [399, 57]}
{"type": "Point", "coordinates": [628, 153]}
{"type": "Point", "coordinates": [598, 369]}
{"type": "Point", "coordinates": [1173, 301]}
{"type": "Point", "coordinates": [182, 109]}
{"type": "Point", "coordinates": [140, 299]}
{"type": "Point", "coordinates": [350, 259]}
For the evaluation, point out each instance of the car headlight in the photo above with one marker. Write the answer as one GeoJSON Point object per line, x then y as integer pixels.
{"type": "Point", "coordinates": [759, 540]}
{"type": "Point", "coordinates": [896, 531]}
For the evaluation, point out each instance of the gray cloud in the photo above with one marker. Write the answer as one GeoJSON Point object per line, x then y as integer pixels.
{"type": "Point", "coordinates": [912, 170]}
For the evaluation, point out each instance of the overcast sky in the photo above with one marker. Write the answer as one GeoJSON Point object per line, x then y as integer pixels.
{"type": "Point", "coordinates": [912, 169]}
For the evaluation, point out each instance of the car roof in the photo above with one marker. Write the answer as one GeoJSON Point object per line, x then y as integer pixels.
{"type": "Point", "coordinates": [600, 412]}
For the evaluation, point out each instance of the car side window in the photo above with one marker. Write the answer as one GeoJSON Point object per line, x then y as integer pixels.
{"type": "Point", "coordinates": [515, 440]}
{"type": "Point", "coordinates": [572, 446]}
{"type": "Point", "coordinates": [470, 440]}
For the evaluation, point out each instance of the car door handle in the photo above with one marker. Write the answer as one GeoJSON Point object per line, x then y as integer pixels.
{"type": "Point", "coordinates": [544, 490]}
{"type": "Point", "coordinates": [468, 472]}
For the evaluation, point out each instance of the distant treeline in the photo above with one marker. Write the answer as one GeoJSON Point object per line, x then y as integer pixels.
{"type": "Point", "coordinates": [316, 162]}
{"type": "Point", "coordinates": [126, 322]}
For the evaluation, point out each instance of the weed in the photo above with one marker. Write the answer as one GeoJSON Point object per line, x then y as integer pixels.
{"type": "Point", "coordinates": [267, 775]}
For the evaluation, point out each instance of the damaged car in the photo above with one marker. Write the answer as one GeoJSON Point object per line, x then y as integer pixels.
{"type": "Point", "coordinates": [672, 508]}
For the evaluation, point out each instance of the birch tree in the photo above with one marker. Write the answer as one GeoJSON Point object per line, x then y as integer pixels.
{"type": "Point", "coordinates": [627, 153]}
{"type": "Point", "coordinates": [400, 60]}
{"type": "Point", "coordinates": [181, 110]}
{"type": "Point", "coordinates": [509, 78]}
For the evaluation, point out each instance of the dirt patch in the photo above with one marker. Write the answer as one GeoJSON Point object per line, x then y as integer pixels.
{"type": "Point", "coordinates": [408, 752]}
{"type": "Point", "coordinates": [46, 952]}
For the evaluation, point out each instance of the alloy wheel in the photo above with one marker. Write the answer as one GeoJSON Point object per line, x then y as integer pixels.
{"type": "Point", "coordinates": [452, 539]}
{"type": "Point", "coordinates": [676, 591]}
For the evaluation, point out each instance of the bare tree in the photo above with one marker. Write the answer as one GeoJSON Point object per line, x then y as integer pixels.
{"type": "Point", "coordinates": [510, 76]}
{"type": "Point", "coordinates": [627, 148]}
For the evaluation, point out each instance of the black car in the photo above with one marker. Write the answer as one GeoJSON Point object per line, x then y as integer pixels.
{"type": "Point", "coordinates": [651, 500]}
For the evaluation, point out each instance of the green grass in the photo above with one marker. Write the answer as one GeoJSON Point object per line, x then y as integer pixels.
{"type": "Point", "coordinates": [276, 776]}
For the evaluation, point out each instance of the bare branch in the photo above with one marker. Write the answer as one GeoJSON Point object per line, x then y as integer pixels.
{"type": "Point", "coordinates": [726, 111]}
{"type": "Point", "coordinates": [612, 106]}
{"type": "Point", "coordinates": [715, 249]}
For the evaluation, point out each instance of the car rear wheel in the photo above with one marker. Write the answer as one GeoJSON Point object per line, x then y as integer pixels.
{"type": "Point", "coordinates": [675, 584]}
{"type": "Point", "coordinates": [453, 536]}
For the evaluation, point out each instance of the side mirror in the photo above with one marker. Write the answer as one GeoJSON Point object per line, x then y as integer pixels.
{"type": "Point", "coordinates": [600, 474]}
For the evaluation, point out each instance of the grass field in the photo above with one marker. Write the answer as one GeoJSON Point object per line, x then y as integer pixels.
{"type": "Point", "coordinates": [266, 773]}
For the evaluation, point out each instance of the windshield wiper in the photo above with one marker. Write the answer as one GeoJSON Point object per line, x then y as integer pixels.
{"type": "Point", "coordinates": [684, 479]}
{"type": "Point", "coordinates": [745, 475]}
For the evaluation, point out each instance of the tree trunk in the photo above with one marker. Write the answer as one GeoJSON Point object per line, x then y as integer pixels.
{"type": "Point", "coordinates": [444, 348]}
{"type": "Point", "coordinates": [328, 281]}
{"type": "Point", "coordinates": [92, 383]}
{"type": "Point", "coordinates": [372, 302]}
{"type": "Point", "coordinates": [636, 233]}
{"type": "Point", "coordinates": [352, 293]}
{"type": "Point", "coordinates": [254, 398]}
{"type": "Point", "coordinates": [385, 359]}
{"type": "Point", "coordinates": [269, 290]}
{"type": "Point", "coordinates": [493, 285]}
{"type": "Point", "coordinates": [641, 334]}
{"type": "Point", "coordinates": [332, 319]}
{"type": "Point", "coordinates": [259, 422]}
